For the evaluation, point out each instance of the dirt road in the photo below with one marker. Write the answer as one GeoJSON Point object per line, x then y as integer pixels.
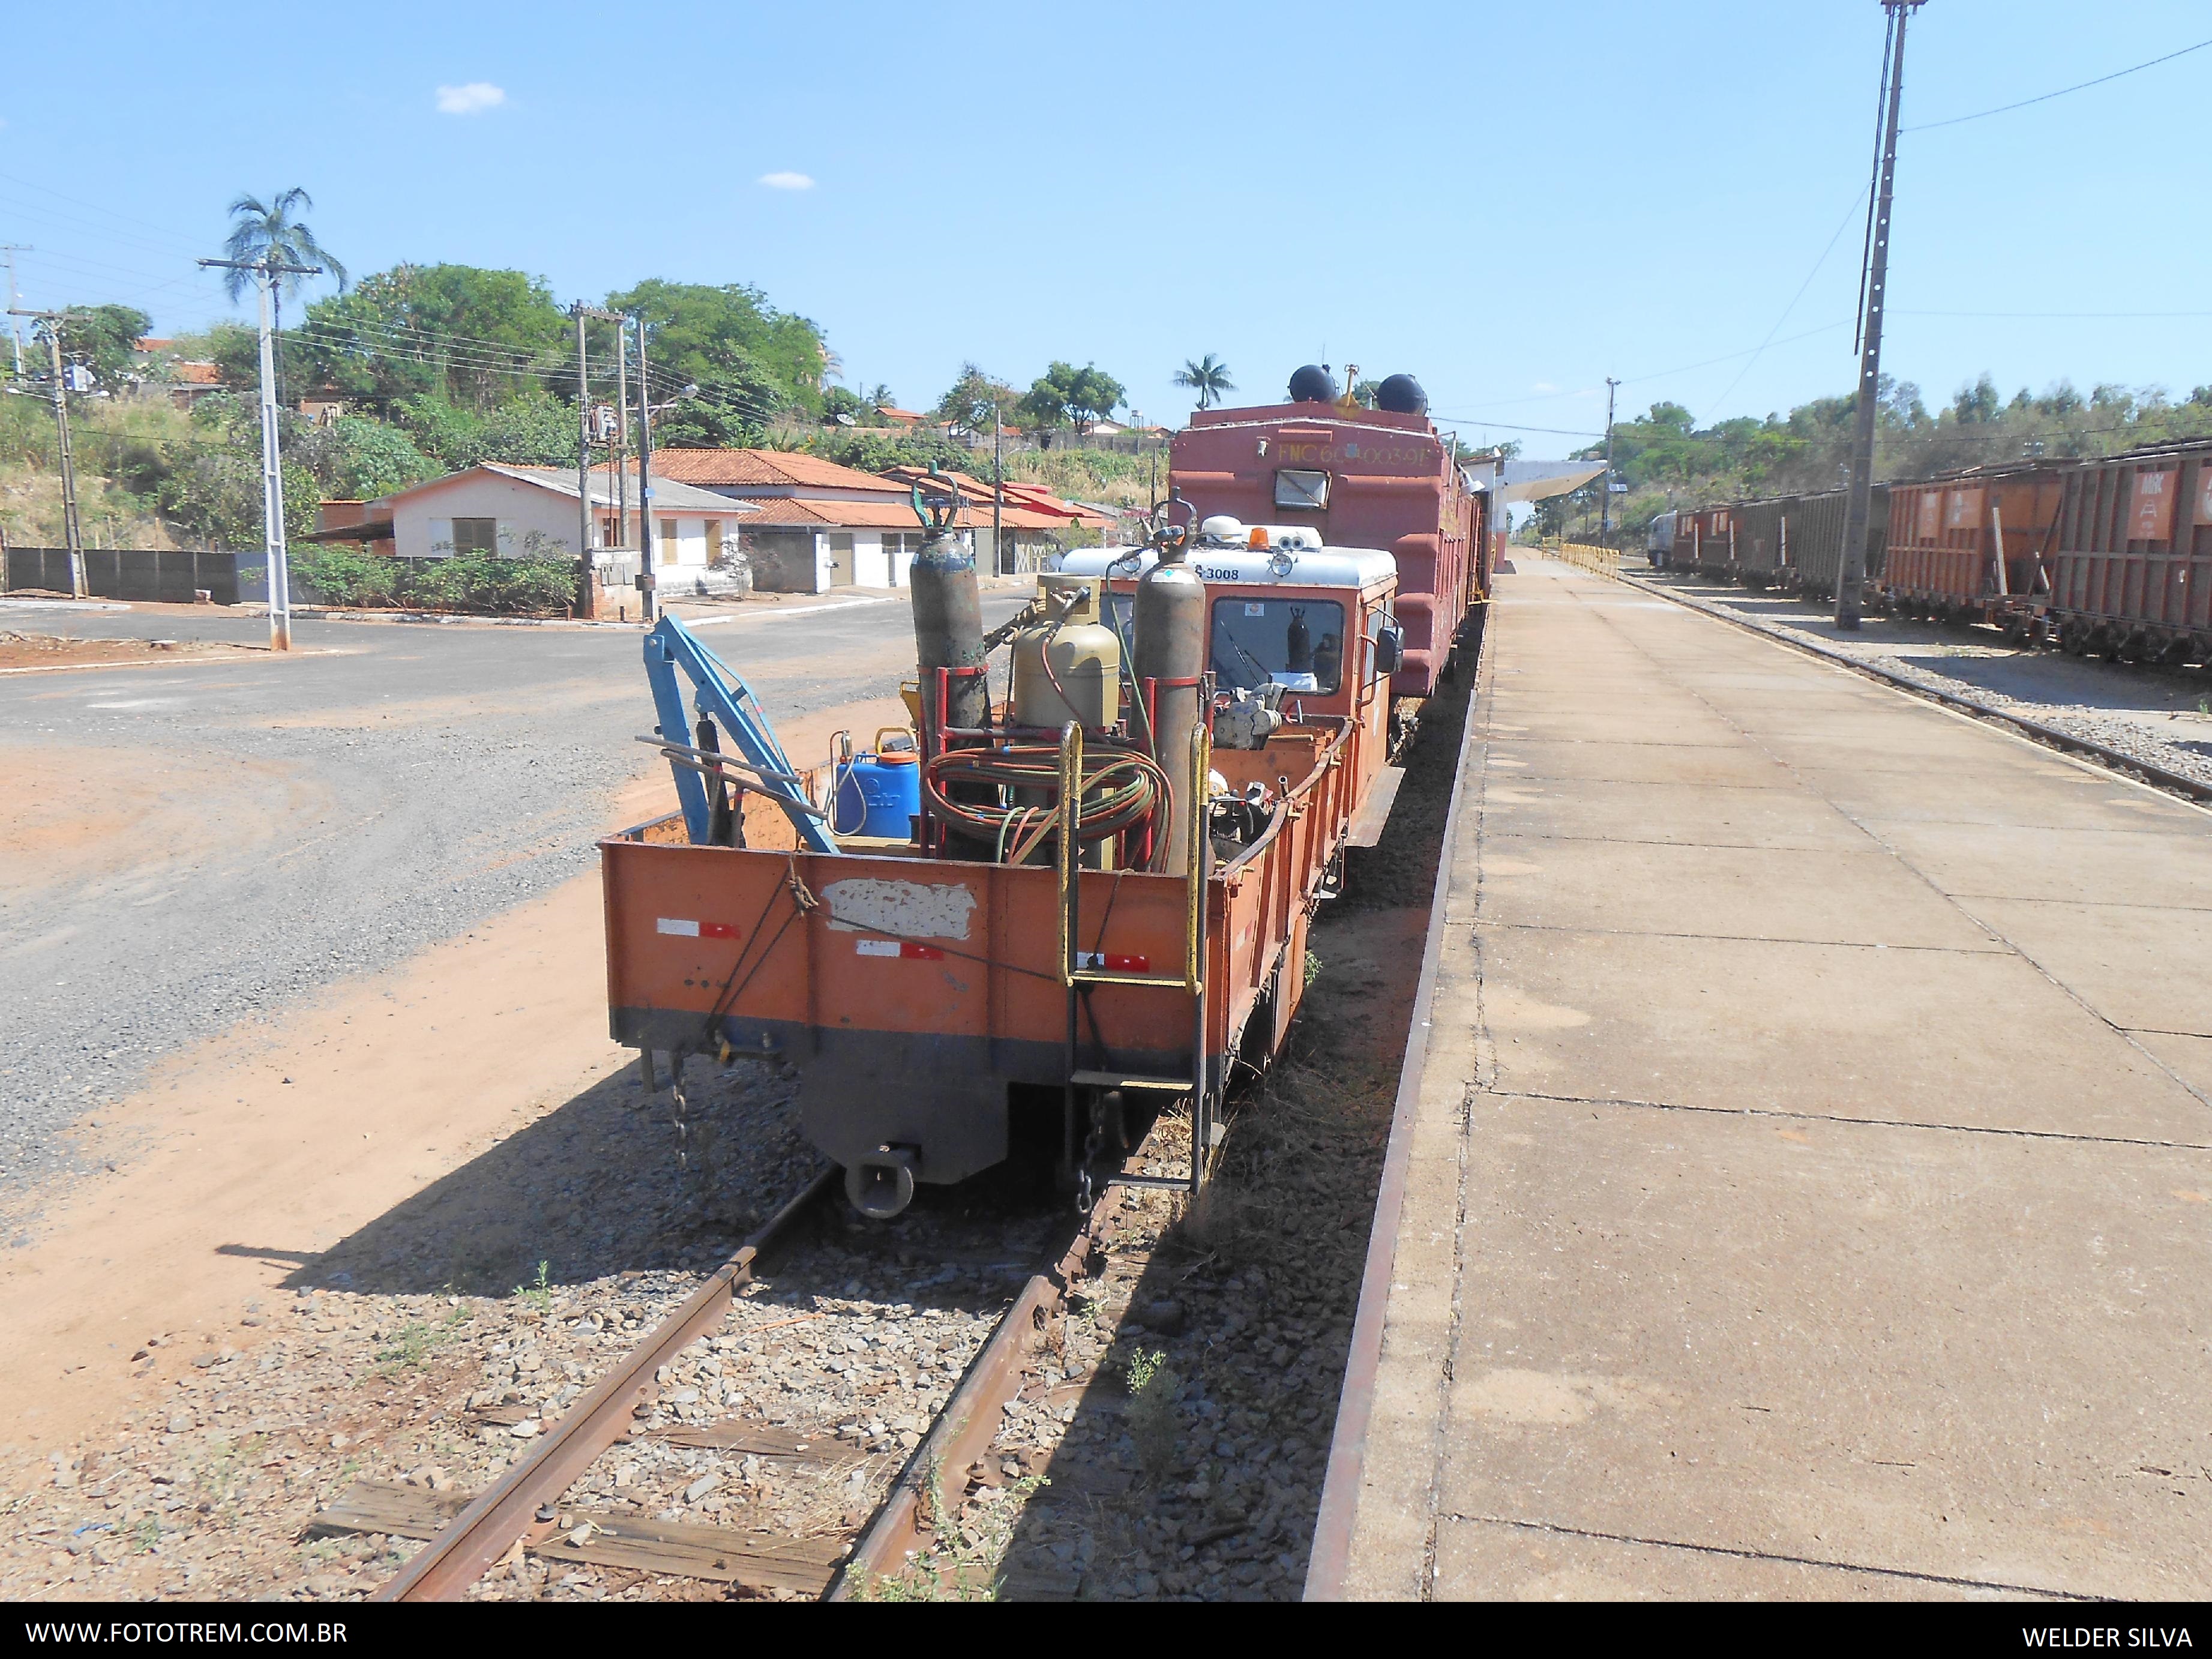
{"type": "Point", "coordinates": [307, 937]}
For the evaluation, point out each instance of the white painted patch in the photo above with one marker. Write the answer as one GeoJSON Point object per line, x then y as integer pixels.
{"type": "Point", "coordinates": [877, 947]}
{"type": "Point", "coordinates": [916, 910]}
{"type": "Point", "coordinates": [675, 925]}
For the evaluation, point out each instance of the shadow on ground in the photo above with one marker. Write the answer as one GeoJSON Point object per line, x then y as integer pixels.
{"type": "Point", "coordinates": [1211, 1488]}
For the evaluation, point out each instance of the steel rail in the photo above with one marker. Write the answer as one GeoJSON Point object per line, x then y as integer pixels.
{"type": "Point", "coordinates": [2194, 790]}
{"type": "Point", "coordinates": [503, 1516]}
{"type": "Point", "coordinates": [969, 1422]}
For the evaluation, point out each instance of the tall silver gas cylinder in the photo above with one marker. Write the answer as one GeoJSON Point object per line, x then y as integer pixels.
{"type": "Point", "coordinates": [1170, 644]}
{"type": "Point", "coordinates": [948, 627]}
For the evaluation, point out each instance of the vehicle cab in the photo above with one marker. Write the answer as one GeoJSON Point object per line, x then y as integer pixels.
{"type": "Point", "coordinates": [1297, 631]}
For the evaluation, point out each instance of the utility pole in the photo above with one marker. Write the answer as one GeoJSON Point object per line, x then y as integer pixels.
{"type": "Point", "coordinates": [70, 533]}
{"type": "Point", "coordinates": [998, 492]}
{"type": "Point", "coordinates": [587, 579]}
{"type": "Point", "coordinates": [1851, 569]}
{"type": "Point", "coordinates": [1605, 510]}
{"type": "Point", "coordinates": [11, 249]}
{"type": "Point", "coordinates": [620, 459]}
{"type": "Point", "coordinates": [645, 479]}
{"type": "Point", "coordinates": [587, 573]}
{"type": "Point", "coordinates": [266, 270]}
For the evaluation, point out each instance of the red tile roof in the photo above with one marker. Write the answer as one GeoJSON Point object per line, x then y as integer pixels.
{"type": "Point", "coordinates": [1028, 497]}
{"type": "Point", "coordinates": [797, 512]}
{"type": "Point", "coordinates": [199, 373]}
{"type": "Point", "coordinates": [770, 468]}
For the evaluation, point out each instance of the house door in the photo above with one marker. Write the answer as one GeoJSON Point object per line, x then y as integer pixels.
{"type": "Point", "coordinates": [841, 561]}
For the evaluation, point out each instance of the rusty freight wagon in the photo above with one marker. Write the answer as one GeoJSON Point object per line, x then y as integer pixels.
{"type": "Point", "coordinates": [1944, 535]}
{"type": "Point", "coordinates": [1355, 477]}
{"type": "Point", "coordinates": [1762, 540]}
{"type": "Point", "coordinates": [1100, 900]}
{"type": "Point", "coordinates": [2133, 567]}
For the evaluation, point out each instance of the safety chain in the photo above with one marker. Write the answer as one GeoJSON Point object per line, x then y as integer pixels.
{"type": "Point", "coordinates": [682, 1106]}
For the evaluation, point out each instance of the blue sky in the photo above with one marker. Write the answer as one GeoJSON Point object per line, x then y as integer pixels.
{"type": "Point", "coordinates": [1510, 202]}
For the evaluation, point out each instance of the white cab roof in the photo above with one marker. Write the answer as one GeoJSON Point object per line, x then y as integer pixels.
{"type": "Point", "coordinates": [1282, 566]}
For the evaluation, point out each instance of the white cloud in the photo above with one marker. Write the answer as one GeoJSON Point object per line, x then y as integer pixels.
{"type": "Point", "coordinates": [473, 98]}
{"type": "Point", "coordinates": [787, 181]}
{"type": "Point", "coordinates": [1543, 385]}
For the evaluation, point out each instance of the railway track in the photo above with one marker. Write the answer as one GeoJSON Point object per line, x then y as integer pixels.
{"type": "Point", "coordinates": [531, 1511]}
{"type": "Point", "coordinates": [2132, 766]}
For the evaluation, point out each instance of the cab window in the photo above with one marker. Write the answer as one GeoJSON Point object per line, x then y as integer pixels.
{"type": "Point", "coordinates": [1298, 644]}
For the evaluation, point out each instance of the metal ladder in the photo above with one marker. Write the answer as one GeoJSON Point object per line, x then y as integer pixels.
{"type": "Point", "coordinates": [1077, 1150]}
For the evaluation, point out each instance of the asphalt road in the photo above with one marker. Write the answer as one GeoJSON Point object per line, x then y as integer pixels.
{"type": "Point", "coordinates": [198, 846]}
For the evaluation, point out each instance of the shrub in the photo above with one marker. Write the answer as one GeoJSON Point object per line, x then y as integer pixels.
{"type": "Point", "coordinates": [342, 575]}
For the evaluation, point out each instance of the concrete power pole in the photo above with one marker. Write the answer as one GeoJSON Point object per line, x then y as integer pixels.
{"type": "Point", "coordinates": [70, 532]}
{"type": "Point", "coordinates": [648, 577]}
{"type": "Point", "coordinates": [588, 575]}
{"type": "Point", "coordinates": [1851, 568]}
{"type": "Point", "coordinates": [998, 492]}
{"type": "Point", "coordinates": [1605, 510]}
{"type": "Point", "coordinates": [11, 249]}
{"type": "Point", "coordinates": [265, 271]}
{"type": "Point", "coordinates": [587, 579]}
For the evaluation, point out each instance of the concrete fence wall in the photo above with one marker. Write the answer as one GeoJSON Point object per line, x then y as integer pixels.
{"type": "Point", "coordinates": [130, 573]}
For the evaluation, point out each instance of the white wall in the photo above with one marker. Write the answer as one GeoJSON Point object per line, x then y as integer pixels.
{"type": "Point", "coordinates": [422, 526]}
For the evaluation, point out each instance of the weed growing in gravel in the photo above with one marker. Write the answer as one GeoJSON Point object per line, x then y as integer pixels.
{"type": "Point", "coordinates": [540, 1295]}
{"type": "Point", "coordinates": [965, 1567]}
{"type": "Point", "coordinates": [1154, 1389]}
{"type": "Point", "coordinates": [1314, 966]}
{"type": "Point", "coordinates": [145, 1536]}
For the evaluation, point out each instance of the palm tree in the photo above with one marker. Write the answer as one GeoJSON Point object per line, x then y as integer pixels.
{"type": "Point", "coordinates": [1208, 376]}
{"type": "Point", "coordinates": [271, 231]}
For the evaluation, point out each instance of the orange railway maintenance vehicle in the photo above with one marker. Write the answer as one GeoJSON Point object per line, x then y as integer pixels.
{"type": "Point", "coordinates": [1382, 477]}
{"type": "Point", "coordinates": [1099, 899]}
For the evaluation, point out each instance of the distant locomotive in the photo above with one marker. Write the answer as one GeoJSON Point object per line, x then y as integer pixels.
{"type": "Point", "coordinates": [1355, 477]}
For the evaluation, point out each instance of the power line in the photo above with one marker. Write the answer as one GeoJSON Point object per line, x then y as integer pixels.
{"type": "Point", "coordinates": [2006, 109]}
{"type": "Point", "coordinates": [1503, 426]}
{"type": "Point", "coordinates": [1761, 351]}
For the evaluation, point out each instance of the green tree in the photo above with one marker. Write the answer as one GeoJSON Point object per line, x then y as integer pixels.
{"type": "Point", "coordinates": [1208, 376]}
{"type": "Point", "coordinates": [749, 362]}
{"type": "Point", "coordinates": [273, 232]}
{"type": "Point", "coordinates": [466, 335]}
{"type": "Point", "coordinates": [102, 338]}
{"type": "Point", "coordinates": [970, 401]}
{"type": "Point", "coordinates": [358, 458]}
{"type": "Point", "coordinates": [1067, 396]}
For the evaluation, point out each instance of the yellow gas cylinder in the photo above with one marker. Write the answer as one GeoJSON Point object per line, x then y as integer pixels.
{"type": "Point", "coordinates": [1084, 653]}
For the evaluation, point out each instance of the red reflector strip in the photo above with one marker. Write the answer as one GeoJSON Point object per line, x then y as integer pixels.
{"type": "Point", "coordinates": [893, 947]}
{"type": "Point", "coordinates": [684, 928]}
{"type": "Point", "coordinates": [1112, 964]}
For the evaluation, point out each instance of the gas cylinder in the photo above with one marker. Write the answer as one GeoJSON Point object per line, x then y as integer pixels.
{"type": "Point", "coordinates": [1081, 652]}
{"type": "Point", "coordinates": [948, 627]}
{"type": "Point", "coordinates": [1170, 644]}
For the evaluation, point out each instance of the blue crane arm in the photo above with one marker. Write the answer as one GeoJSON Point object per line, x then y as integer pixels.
{"type": "Point", "coordinates": [720, 692]}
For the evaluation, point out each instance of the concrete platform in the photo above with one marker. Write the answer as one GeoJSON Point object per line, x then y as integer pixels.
{"type": "Point", "coordinates": [1802, 1184]}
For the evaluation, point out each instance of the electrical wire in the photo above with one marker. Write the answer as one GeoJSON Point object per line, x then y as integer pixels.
{"type": "Point", "coordinates": [2044, 98]}
{"type": "Point", "coordinates": [1761, 351]}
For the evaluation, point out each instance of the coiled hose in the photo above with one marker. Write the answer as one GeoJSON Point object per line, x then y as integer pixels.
{"type": "Point", "coordinates": [1122, 788]}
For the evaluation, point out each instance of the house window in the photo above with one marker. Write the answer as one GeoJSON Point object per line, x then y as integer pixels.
{"type": "Point", "coordinates": [475, 536]}
{"type": "Point", "coordinates": [714, 541]}
{"type": "Point", "coordinates": [668, 550]}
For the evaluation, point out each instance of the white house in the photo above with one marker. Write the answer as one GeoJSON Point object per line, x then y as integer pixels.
{"type": "Point", "coordinates": [521, 511]}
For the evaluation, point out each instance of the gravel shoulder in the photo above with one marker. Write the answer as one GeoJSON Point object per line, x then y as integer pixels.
{"type": "Point", "coordinates": [2160, 716]}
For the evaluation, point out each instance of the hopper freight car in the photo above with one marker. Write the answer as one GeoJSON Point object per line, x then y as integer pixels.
{"type": "Point", "coordinates": [1790, 541]}
{"type": "Point", "coordinates": [1380, 478]}
{"type": "Point", "coordinates": [1944, 534]}
{"type": "Point", "coordinates": [2133, 576]}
